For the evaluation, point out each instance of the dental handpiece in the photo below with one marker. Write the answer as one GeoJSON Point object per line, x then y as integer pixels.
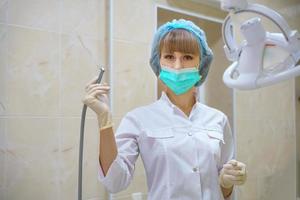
{"type": "Point", "coordinates": [100, 75]}
{"type": "Point", "coordinates": [83, 114]}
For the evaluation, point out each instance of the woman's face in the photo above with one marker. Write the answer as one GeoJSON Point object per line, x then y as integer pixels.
{"type": "Point", "coordinates": [178, 60]}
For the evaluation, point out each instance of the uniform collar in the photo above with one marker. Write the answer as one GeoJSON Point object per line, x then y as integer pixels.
{"type": "Point", "coordinates": [164, 97]}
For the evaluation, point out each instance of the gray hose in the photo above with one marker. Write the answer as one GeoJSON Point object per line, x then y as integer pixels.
{"type": "Point", "coordinates": [83, 113]}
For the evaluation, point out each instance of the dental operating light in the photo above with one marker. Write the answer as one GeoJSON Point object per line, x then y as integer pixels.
{"type": "Point", "coordinates": [254, 55]}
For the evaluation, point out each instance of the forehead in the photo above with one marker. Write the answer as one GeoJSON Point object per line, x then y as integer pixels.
{"type": "Point", "coordinates": [179, 40]}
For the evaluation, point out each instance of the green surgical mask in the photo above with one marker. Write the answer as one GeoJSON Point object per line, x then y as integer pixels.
{"type": "Point", "coordinates": [179, 81]}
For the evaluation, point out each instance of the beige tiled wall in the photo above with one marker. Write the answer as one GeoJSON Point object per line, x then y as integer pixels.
{"type": "Point", "coordinates": [297, 91]}
{"type": "Point", "coordinates": [45, 63]}
{"type": "Point", "coordinates": [2, 159]}
{"type": "Point", "coordinates": [265, 126]}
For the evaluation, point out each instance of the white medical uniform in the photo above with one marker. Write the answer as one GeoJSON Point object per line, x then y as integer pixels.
{"type": "Point", "coordinates": [182, 155]}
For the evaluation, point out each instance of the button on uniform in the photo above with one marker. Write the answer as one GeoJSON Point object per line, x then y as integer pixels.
{"type": "Point", "coordinates": [195, 169]}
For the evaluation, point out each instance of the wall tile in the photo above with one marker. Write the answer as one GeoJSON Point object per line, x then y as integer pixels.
{"type": "Point", "coordinates": [86, 18]}
{"type": "Point", "coordinates": [2, 157]}
{"type": "Point", "coordinates": [32, 72]}
{"type": "Point", "coordinates": [271, 136]}
{"type": "Point", "coordinates": [134, 80]}
{"type": "Point", "coordinates": [117, 120]}
{"type": "Point", "coordinates": [81, 58]}
{"type": "Point", "coordinates": [195, 7]}
{"type": "Point", "coordinates": [32, 155]}
{"type": "Point", "coordinates": [69, 159]}
{"type": "Point", "coordinates": [3, 11]}
{"type": "Point", "coordinates": [280, 185]}
{"type": "Point", "coordinates": [248, 191]}
{"type": "Point", "coordinates": [265, 128]}
{"type": "Point", "coordinates": [255, 104]}
{"type": "Point", "coordinates": [43, 79]}
{"type": "Point", "coordinates": [35, 14]}
{"type": "Point", "coordinates": [134, 20]}
{"type": "Point", "coordinates": [267, 147]}
{"type": "Point", "coordinates": [3, 65]}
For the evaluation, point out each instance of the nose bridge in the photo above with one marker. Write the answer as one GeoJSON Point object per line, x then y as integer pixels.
{"type": "Point", "coordinates": [178, 62]}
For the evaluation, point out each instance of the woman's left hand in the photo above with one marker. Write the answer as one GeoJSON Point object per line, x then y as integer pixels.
{"type": "Point", "coordinates": [233, 173]}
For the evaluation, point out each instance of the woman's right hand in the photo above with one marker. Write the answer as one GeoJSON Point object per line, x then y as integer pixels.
{"type": "Point", "coordinates": [96, 98]}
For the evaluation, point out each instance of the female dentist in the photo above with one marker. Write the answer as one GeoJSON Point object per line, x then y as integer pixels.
{"type": "Point", "coordinates": [187, 148]}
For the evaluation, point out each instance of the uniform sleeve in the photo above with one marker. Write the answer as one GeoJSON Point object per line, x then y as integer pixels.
{"type": "Point", "coordinates": [228, 150]}
{"type": "Point", "coordinates": [120, 173]}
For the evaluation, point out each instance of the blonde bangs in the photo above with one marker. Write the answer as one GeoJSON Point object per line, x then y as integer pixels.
{"type": "Point", "coordinates": [180, 40]}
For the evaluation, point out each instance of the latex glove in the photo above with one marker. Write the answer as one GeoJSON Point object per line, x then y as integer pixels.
{"type": "Point", "coordinates": [232, 173]}
{"type": "Point", "coordinates": [96, 98]}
